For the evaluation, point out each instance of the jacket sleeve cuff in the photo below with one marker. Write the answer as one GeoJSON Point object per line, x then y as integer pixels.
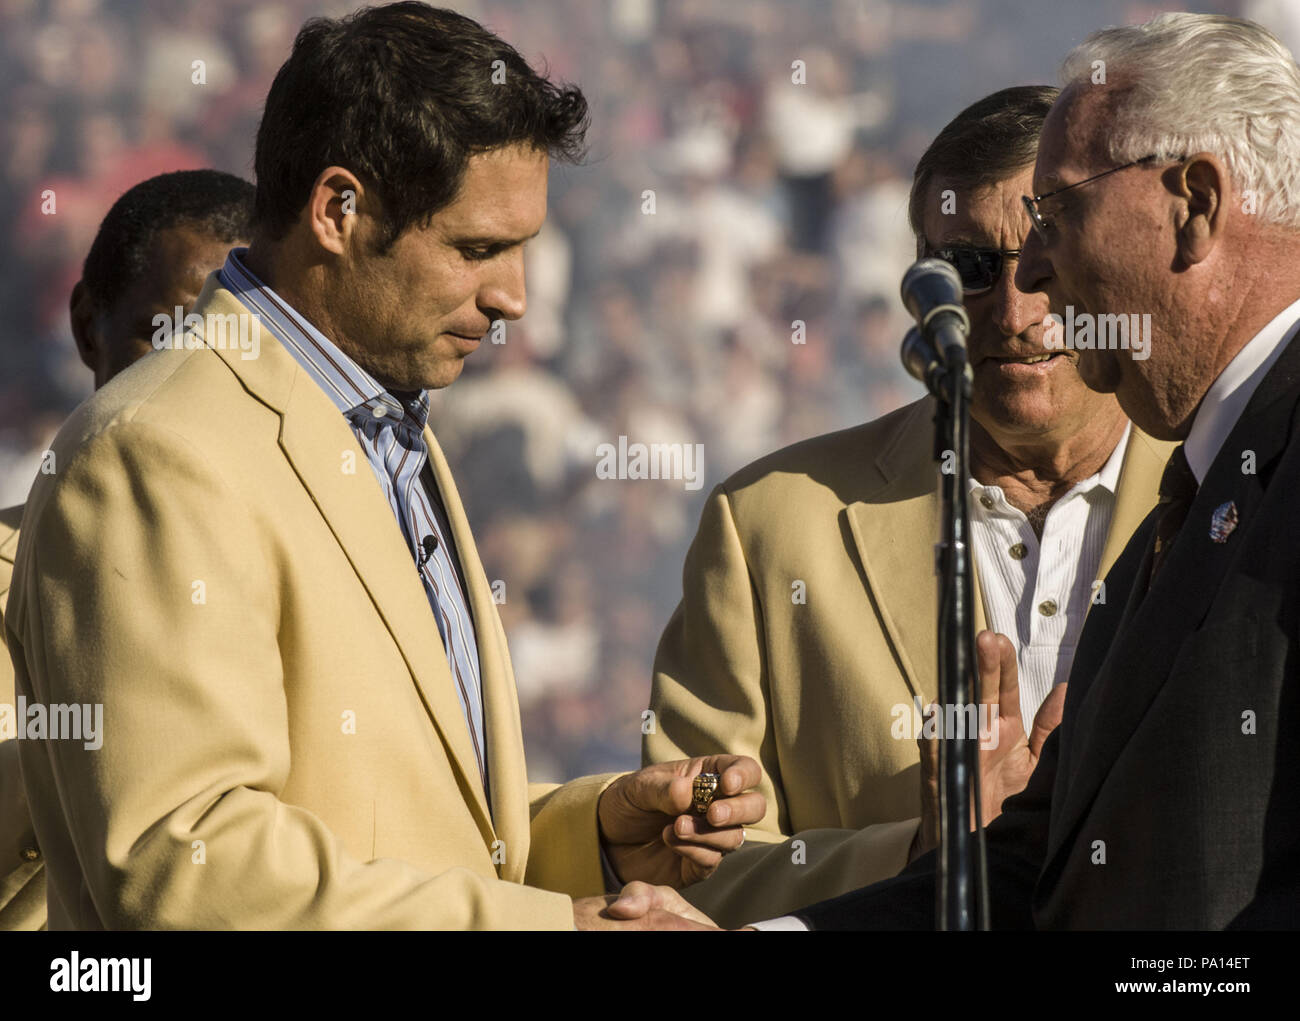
{"type": "Point", "coordinates": [565, 853]}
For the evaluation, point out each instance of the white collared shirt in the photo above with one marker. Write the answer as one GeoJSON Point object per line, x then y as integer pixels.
{"type": "Point", "coordinates": [1037, 591]}
{"type": "Point", "coordinates": [1229, 394]}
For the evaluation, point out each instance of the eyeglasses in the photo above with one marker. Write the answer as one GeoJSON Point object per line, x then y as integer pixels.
{"type": "Point", "coordinates": [979, 268]}
{"type": "Point", "coordinates": [1041, 225]}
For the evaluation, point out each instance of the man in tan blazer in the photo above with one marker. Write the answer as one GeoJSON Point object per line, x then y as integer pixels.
{"type": "Point", "coordinates": [253, 560]}
{"type": "Point", "coordinates": [152, 252]}
{"type": "Point", "coordinates": [22, 874]}
{"type": "Point", "coordinates": [806, 633]}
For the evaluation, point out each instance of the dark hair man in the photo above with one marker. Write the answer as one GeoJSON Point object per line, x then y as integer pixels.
{"type": "Point", "coordinates": [151, 254]}
{"type": "Point", "coordinates": [806, 635]}
{"type": "Point", "coordinates": [276, 564]}
{"type": "Point", "coordinates": [153, 251]}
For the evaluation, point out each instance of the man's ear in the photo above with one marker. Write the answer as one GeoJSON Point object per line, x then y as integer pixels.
{"type": "Point", "coordinates": [82, 313]}
{"type": "Point", "coordinates": [337, 199]}
{"type": "Point", "coordinates": [1202, 183]}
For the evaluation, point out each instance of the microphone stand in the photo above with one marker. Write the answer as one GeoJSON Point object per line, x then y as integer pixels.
{"type": "Point", "coordinates": [962, 888]}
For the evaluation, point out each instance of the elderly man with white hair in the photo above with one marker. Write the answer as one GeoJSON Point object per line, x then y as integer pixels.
{"type": "Point", "coordinates": [1168, 184]}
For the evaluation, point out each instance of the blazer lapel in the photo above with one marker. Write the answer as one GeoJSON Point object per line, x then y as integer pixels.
{"type": "Point", "coordinates": [1135, 493]}
{"type": "Point", "coordinates": [1138, 662]}
{"type": "Point", "coordinates": [507, 771]}
{"type": "Point", "coordinates": [315, 439]}
{"type": "Point", "coordinates": [10, 519]}
{"type": "Point", "coordinates": [1103, 623]}
{"type": "Point", "coordinates": [895, 527]}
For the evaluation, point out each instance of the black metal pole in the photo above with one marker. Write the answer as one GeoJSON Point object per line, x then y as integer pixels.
{"type": "Point", "coordinates": [961, 896]}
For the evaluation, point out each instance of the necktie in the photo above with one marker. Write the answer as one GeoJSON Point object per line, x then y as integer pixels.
{"type": "Point", "coordinates": [1177, 491]}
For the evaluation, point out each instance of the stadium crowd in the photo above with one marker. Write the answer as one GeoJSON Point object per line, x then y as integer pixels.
{"type": "Point", "coordinates": [723, 270]}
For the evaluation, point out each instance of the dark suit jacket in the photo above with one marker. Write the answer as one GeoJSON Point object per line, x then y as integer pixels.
{"type": "Point", "coordinates": [1169, 797]}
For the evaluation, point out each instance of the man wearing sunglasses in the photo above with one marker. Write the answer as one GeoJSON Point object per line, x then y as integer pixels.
{"type": "Point", "coordinates": [1166, 799]}
{"type": "Point", "coordinates": [806, 635]}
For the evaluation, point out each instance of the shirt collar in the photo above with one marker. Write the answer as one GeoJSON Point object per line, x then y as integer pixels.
{"type": "Point", "coordinates": [356, 393]}
{"type": "Point", "coordinates": [1229, 394]}
{"type": "Point", "coordinates": [1107, 477]}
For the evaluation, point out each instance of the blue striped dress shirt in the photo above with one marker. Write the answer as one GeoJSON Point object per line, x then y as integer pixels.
{"type": "Point", "coordinates": [390, 431]}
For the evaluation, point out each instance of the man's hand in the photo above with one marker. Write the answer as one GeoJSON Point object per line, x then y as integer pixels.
{"type": "Point", "coordinates": [650, 831]}
{"type": "Point", "coordinates": [1007, 754]}
{"type": "Point", "coordinates": [1012, 754]}
{"type": "Point", "coordinates": [640, 906]}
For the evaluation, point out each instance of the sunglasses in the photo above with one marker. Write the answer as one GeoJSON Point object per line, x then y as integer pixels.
{"type": "Point", "coordinates": [979, 268]}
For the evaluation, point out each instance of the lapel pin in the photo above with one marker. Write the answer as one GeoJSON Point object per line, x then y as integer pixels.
{"type": "Point", "coordinates": [1223, 521]}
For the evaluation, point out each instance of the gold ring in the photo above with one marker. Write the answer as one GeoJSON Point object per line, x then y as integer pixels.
{"type": "Point", "coordinates": [703, 789]}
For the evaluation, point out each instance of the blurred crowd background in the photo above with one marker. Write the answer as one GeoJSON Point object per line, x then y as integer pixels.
{"type": "Point", "coordinates": [774, 203]}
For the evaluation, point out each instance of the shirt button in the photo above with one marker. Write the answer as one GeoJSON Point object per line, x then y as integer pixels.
{"type": "Point", "coordinates": [379, 411]}
{"type": "Point", "coordinates": [986, 502]}
{"type": "Point", "coordinates": [31, 854]}
{"type": "Point", "coordinates": [1047, 607]}
{"type": "Point", "coordinates": [1018, 551]}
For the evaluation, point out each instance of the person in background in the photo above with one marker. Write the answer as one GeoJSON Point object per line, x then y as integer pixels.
{"type": "Point", "coordinates": [151, 255]}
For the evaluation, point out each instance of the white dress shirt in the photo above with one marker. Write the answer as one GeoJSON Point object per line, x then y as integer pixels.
{"type": "Point", "coordinates": [1228, 396]}
{"type": "Point", "coordinates": [1037, 591]}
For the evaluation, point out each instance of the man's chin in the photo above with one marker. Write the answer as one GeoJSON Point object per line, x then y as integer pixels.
{"type": "Point", "coordinates": [443, 374]}
{"type": "Point", "coordinates": [1099, 374]}
{"type": "Point", "coordinates": [1020, 403]}
{"type": "Point", "coordinates": [1017, 420]}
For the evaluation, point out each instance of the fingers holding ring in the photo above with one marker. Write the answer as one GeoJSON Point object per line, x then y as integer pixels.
{"type": "Point", "coordinates": [703, 790]}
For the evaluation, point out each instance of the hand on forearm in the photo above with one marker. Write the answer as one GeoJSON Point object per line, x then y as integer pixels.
{"type": "Point", "coordinates": [640, 906]}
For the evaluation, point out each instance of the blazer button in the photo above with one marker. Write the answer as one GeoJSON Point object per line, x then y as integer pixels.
{"type": "Point", "coordinates": [1047, 607]}
{"type": "Point", "coordinates": [31, 854]}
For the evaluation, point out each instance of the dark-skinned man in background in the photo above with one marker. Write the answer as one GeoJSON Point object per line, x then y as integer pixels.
{"type": "Point", "coordinates": [151, 254]}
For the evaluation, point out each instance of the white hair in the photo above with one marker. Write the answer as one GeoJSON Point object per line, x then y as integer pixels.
{"type": "Point", "coordinates": [1204, 83]}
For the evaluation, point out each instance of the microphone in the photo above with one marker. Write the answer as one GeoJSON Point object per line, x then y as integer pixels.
{"type": "Point", "coordinates": [429, 544]}
{"type": "Point", "coordinates": [932, 293]}
{"type": "Point", "coordinates": [920, 358]}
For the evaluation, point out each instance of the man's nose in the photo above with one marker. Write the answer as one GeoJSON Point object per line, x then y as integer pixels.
{"type": "Point", "coordinates": [1015, 310]}
{"type": "Point", "coordinates": [1034, 269]}
{"type": "Point", "coordinates": [502, 290]}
